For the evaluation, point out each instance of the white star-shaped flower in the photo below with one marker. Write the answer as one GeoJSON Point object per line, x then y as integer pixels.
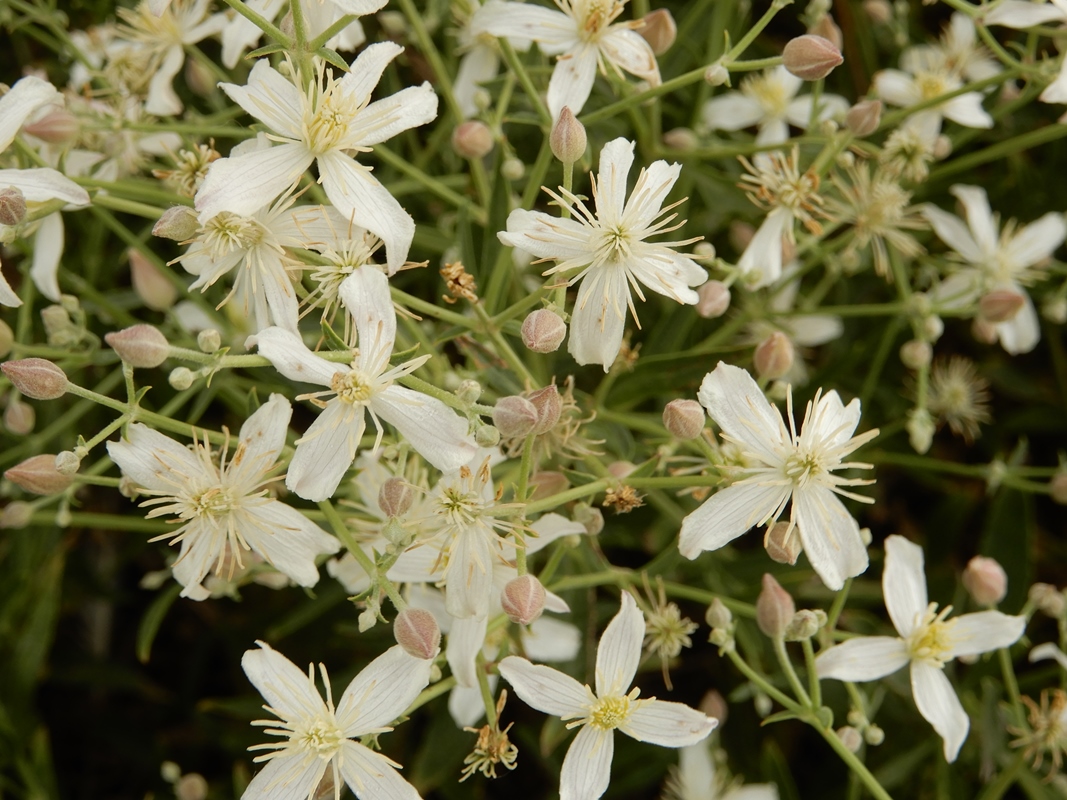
{"type": "Point", "coordinates": [783, 466]}
{"type": "Point", "coordinates": [928, 640]}
{"type": "Point", "coordinates": [610, 249]}
{"type": "Point", "coordinates": [587, 766]}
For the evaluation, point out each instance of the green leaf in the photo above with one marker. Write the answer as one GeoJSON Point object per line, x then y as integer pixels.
{"type": "Point", "coordinates": [153, 618]}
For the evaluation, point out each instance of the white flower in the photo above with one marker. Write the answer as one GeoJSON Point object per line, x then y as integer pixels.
{"type": "Point", "coordinates": [927, 642]}
{"type": "Point", "coordinates": [584, 37]}
{"type": "Point", "coordinates": [610, 249]}
{"type": "Point", "coordinates": [327, 449]}
{"type": "Point", "coordinates": [319, 735]}
{"type": "Point", "coordinates": [1000, 258]}
{"type": "Point", "coordinates": [782, 465]}
{"type": "Point", "coordinates": [324, 124]}
{"type": "Point", "coordinates": [225, 509]}
{"type": "Point", "coordinates": [697, 778]}
{"type": "Point", "coordinates": [587, 766]}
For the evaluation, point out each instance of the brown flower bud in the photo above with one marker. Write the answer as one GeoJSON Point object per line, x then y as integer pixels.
{"type": "Point", "coordinates": [775, 608]}
{"type": "Point", "coordinates": [782, 543]}
{"type": "Point", "coordinates": [864, 118]}
{"type": "Point", "coordinates": [714, 705]}
{"type": "Point", "coordinates": [19, 417]}
{"type": "Point", "coordinates": [684, 418]}
{"type": "Point", "coordinates": [985, 581]}
{"type": "Point", "coordinates": [38, 475]}
{"type": "Point", "coordinates": [916, 354]}
{"type": "Point", "coordinates": [983, 330]}
{"type": "Point", "coordinates": [36, 378]}
{"type": "Point", "coordinates": [178, 223]}
{"type": "Point", "coordinates": [56, 127]}
{"type": "Point", "coordinates": [659, 30]}
{"type": "Point", "coordinates": [811, 57]}
{"type": "Point", "coordinates": [549, 406]}
{"type": "Point", "coordinates": [568, 140]}
{"type": "Point", "coordinates": [472, 139]}
{"type": "Point", "coordinates": [396, 497]}
{"type": "Point", "coordinates": [774, 356]}
{"type": "Point", "coordinates": [543, 331]}
{"type": "Point", "coordinates": [514, 416]}
{"type": "Point", "coordinates": [714, 299]}
{"type": "Point", "coordinates": [12, 206]}
{"type": "Point", "coordinates": [16, 515]}
{"type": "Point", "coordinates": [523, 599]}
{"type": "Point", "coordinates": [547, 483]}
{"type": "Point", "coordinates": [829, 30]}
{"type": "Point", "coordinates": [151, 285]}
{"type": "Point", "coordinates": [1001, 305]}
{"type": "Point", "coordinates": [417, 632]}
{"type": "Point", "coordinates": [141, 346]}
{"type": "Point", "coordinates": [1057, 488]}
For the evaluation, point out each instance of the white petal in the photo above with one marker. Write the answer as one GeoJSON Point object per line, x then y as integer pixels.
{"type": "Point", "coordinates": [365, 294]}
{"type": "Point", "coordinates": [283, 685]}
{"type": "Point", "coordinates": [979, 217]}
{"type": "Point", "coordinates": [241, 33]}
{"type": "Point", "coordinates": [599, 317]}
{"type": "Point", "coordinates": [22, 99]}
{"type": "Point", "coordinates": [939, 705]}
{"type": "Point", "coordinates": [739, 407]}
{"type": "Point", "coordinates": [668, 724]}
{"type": "Point", "coordinates": [831, 106]}
{"type": "Point", "coordinates": [201, 547]}
{"type": "Point", "coordinates": [545, 236]}
{"type": "Point", "coordinates": [324, 454]}
{"type": "Point", "coordinates": [465, 704]}
{"type": "Point", "coordinates": [1056, 92]}
{"type": "Point", "coordinates": [951, 230]}
{"type": "Point", "coordinates": [771, 131]}
{"type": "Point", "coordinates": [812, 330]}
{"type": "Point", "coordinates": [1037, 241]}
{"type": "Point", "coordinates": [385, 118]}
{"type": "Point", "coordinates": [47, 251]}
{"type": "Point", "coordinates": [732, 111]}
{"type": "Point", "coordinates": [7, 294]}
{"type": "Point", "coordinates": [550, 639]}
{"type": "Point", "coordinates": [966, 109]}
{"type": "Point", "coordinates": [382, 691]}
{"type": "Point", "coordinates": [246, 183]}
{"type": "Point", "coordinates": [437, 432]}
{"type": "Point", "coordinates": [292, 358]}
{"type": "Point", "coordinates": [667, 273]}
{"type": "Point", "coordinates": [619, 651]}
{"type": "Point", "coordinates": [271, 98]}
{"type": "Point", "coordinates": [477, 66]}
{"type": "Point", "coordinates": [1048, 651]}
{"type": "Point", "coordinates": [865, 658]}
{"type": "Point", "coordinates": [904, 583]}
{"type": "Point", "coordinates": [261, 438]}
{"type": "Point", "coordinates": [286, 778]}
{"type": "Point", "coordinates": [572, 80]}
{"type": "Point", "coordinates": [553, 30]}
{"type": "Point", "coordinates": [616, 159]}
{"type": "Point", "coordinates": [762, 258]}
{"type": "Point", "coordinates": [958, 290]}
{"type": "Point", "coordinates": [465, 641]}
{"type": "Point", "coordinates": [544, 688]}
{"type": "Point", "coordinates": [650, 192]}
{"type": "Point", "coordinates": [830, 535]}
{"type": "Point", "coordinates": [152, 460]}
{"type": "Point", "coordinates": [289, 541]}
{"type": "Point", "coordinates": [1021, 14]}
{"type": "Point", "coordinates": [40, 185]}
{"type": "Point", "coordinates": [896, 87]}
{"type": "Point", "coordinates": [161, 100]}
{"type": "Point", "coordinates": [549, 528]}
{"type": "Point", "coordinates": [726, 515]}
{"type": "Point", "coordinates": [630, 51]}
{"type": "Point", "coordinates": [984, 631]}
{"type": "Point", "coordinates": [587, 766]}
{"type": "Point", "coordinates": [469, 573]}
{"type": "Point", "coordinates": [1022, 332]}
{"type": "Point", "coordinates": [371, 775]}
{"type": "Point", "coordinates": [359, 8]}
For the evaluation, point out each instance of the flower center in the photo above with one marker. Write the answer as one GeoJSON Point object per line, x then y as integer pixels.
{"type": "Point", "coordinates": [932, 640]}
{"type": "Point", "coordinates": [801, 467]}
{"type": "Point", "coordinates": [213, 502]}
{"type": "Point", "coordinates": [226, 232]}
{"type": "Point", "coordinates": [614, 245]}
{"type": "Point", "coordinates": [352, 387]}
{"type": "Point", "coordinates": [594, 16]}
{"type": "Point", "coordinates": [768, 92]}
{"type": "Point", "coordinates": [609, 713]}
{"type": "Point", "coordinates": [329, 114]}
{"type": "Point", "coordinates": [931, 85]}
{"type": "Point", "coordinates": [321, 737]}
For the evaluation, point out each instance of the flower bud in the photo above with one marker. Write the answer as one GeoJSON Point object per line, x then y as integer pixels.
{"type": "Point", "coordinates": [12, 206]}
{"type": "Point", "coordinates": [718, 615]}
{"type": "Point", "coordinates": [985, 581]}
{"type": "Point", "coordinates": [1001, 305]}
{"type": "Point", "coordinates": [589, 517]}
{"type": "Point", "coordinates": [38, 475]}
{"type": "Point", "coordinates": [803, 625]}
{"type": "Point", "coordinates": [920, 427]}
{"type": "Point", "coordinates": [181, 378]}
{"type": "Point", "coordinates": [178, 223]}
{"type": "Point", "coordinates": [396, 497]}
{"type": "Point", "coordinates": [543, 331]}
{"type": "Point", "coordinates": [714, 299]}
{"type": "Point", "coordinates": [704, 250]}
{"type": "Point", "coordinates": [1048, 600]}
{"type": "Point", "coordinates": [864, 118]}
{"type": "Point", "coordinates": [151, 285]}
{"type": "Point", "coordinates": [716, 74]}
{"type": "Point", "coordinates": [417, 632]}
{"type": "Point", "coordinates": [714, 705]}
{"type": "Point", "coordinates": [469, 391]}
{"type": "Point", "coordinates": [621, 469]}
{"type": "Point", "coordinates": [916, 354]}
{"type": "Point", "coordinates": [811, 57]}
{"type": "Point", "coordinates": [782, 543]}
{"type": "Point", "coordinates": [850, 738]}
{"type": "Point", "coordinates": [36, 378]}
{"type": "Point", "coordinates": [56, 127]}
{"type": "Point", "coordinates": [191, 786]}
{"type": "Point", "coordinates": [140, 346]}
{"type": "Point", "coordinates": [19, 417]}
{"type": "Point", "coordinates": [684, 418]}
{"type": "Point", "coordinates": [547, 483]}
{"type": "Point", "coordinates": [15, 515]}
{"type": "Point", "coordinates": [568, 139]}
{"type": "Point", "coordinates": [983, 330]}
{"type": "Point", "coordinates": [472, 139]}
{"type": "Point", "coordinates": [775, 608]}
{"type": "Point", "coordinates": [7, 339]}
{"type": "Point", "coordinates": [1057, 488]}
{"type": "Point", "coordinates": [209, 340]}
{"type": "Point", "coordinates": [681, 139]}
{"type": "Point", "coordinates": [829, 30]}
{"type": "Point", "coordinates": [523, 599]}
{"type": "Point", "coordinates": [68, 462]}
{"type": "Point", "coordinates": [873, 735]}
{"type": "Point", "coordinates": [513, 169]}
{"type": "Point", "coordinates": [549, 406]}
{"type": "Point", "coordinates": [514, 416]}
{"type": "Point", "coordinates": [942, 147]}
{"type": "Point", "coordinates": [1054, 309]}
{"type": "Point", "coordinates": [659, 30]}
{"type": "Point", "coordinates": [774, 356]}
{"type": "Point", "coordinates": [487, 436]}
{"type": "Point", "coordinates": [879, 11]}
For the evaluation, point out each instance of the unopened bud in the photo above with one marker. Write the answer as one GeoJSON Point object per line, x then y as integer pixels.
{"type": "Point", "coordinates": [469, 391]}
{"type": "Point", "coordinates": [829, 30]}
{"type": "Point", "coordinates": [782, 543]}
{"type": "Point", "coordinates": [920, 427]}
{"type": "Point", "coordinates": [472, 139]}
{"type": "Point", "coordinates": [1001, 305]}
{"type": "Point", "coordinates": [68, 462]}
{"type": "Point", "coordinates": [487, 436]}
{"type": "Point", "coordinates": [716, 74]}
{"type": "Point", "coordinates": [864, 118]}
{"type": "Point", "coordinates": [659, 30]}
{"type": "Point", "coordinates": [141, 346]}
{"type": "Point", "coordinates": [774, 356]}
{"type": "Point", "coordinates": [718, 615]}
{"type": "Point", "coordinates": [200, 79]}
{"type": "Point", "coordinates": [151, 285]}
{"type": "Point", "coordinates": [942, 147]}
{"type": "Point", "coordinates": [181, 378]}
{"type": "Point", "coordinates": [568, 139]}
{"type": "Point", "coordinates": [811, 57]}
{"type": "Point", "coordinates": [915, 354]}
{"type": "Point", "coordinates": [549, 406]}
{"type": "Point", "coordinates": [513, 169]}
{"type": "Point", "coordinates": [803, 625]}
{"type": "Point", "coordinates": [12, 206]}
{"type": "Point", "coordinates": [880, 11]}
{"type": "Point", "coordinates": [714, 705]}
{"type": "Point", "coordinates": [15, 515]}
{"type": "Point", "coordinates": [684, 418]}
{"type": "Point", "coordinates": [178, 223]}
{"type": "Point", "coordinates": [7, 339]}
{"type": "Point", "coordinates": [1054, 309]}
{"type": "Point", "coordinates": [417, 632]}
{"type": "Point", "coordinates": [775, 608]}
{"type": "Point", "coordinates": [38, 475]}
{"type": "Point", "coordinates": [19, 417]}
{"type": "Point", "coordinates": [209, 340]}
{"type": "Point", "coordinates": [1048, 600]}
{"type": "Point", "coordinates": [543, 331]}
{"type": "Point", "coordinates": [714, 299]}
{"type": "Point", "coordinates": [589, 517]}
{"type": "Point", "coordinates": [850, 738]}
{"type": "Point", "coordinates": [621, 469]}
{"type": "Point", "coordinates": [36, 378]}
{"type": "Point", "coordinates": [523, 599]}
{"type": "Point", "coordinates": [873, 735]}
{"type": "Point", "coordinates": [1057, 488]}
{"type": "Point", "coordinates": [396, 497]}
{"type": "Point", "coordinates": [56, 127]}
{"type": "Point", "coordinates": [683, 139]}
{"type": "Point", "coordinates": [547, 483]}
{"type": "Point", "coordinates": [514, 416]}
{"type": "Point", "coordinates": [192, 786]}
{"type": "Point", "coordinates": [983, 330]}
{"type": "Point", "coordinates": [985, 581]}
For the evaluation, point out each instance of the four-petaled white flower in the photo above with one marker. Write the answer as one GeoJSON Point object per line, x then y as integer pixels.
{"type": "Point", "coordinates": [324, 124]}
{"type": "Point", "coordinates": [585, 36]}
{"type": "Point", "coordinates": [587, 766]}
{"type": "Point", "coordinates": [781, 465]}
{"type": "Point", "coordinates": [327, 449]}
{"type": "Point", "coordinates": [225, 508]}
{"type": "Point", "coordinates": [610, 248]}
{"type": "Point", "coordinates": [1004, 261]}
{"type": "Point", "coordinates": [928, 640]}
{"type": "Point", "coordinates": [319, 735]}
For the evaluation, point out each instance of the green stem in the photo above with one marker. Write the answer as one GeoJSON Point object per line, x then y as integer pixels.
{"type": "Point", "coordinates": [342, 532]}
{"type": "Point", "coordinates": [790, 673]}
{"type": "Point", "coordinates": [814, 686]}
{"type": "Point", "coordinates": [519, 70]}
{"type": "Point", "coordinates": [853, 763]}
{"type": "Point", "coordinates": [261, 22]}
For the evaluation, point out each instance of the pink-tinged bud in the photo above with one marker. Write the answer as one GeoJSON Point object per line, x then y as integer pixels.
{"type": "Point", "coordinates": [683, 139]}
{"type": "Point", "coordinates": [864, 118]}
{"type": "Point", "coordinates": [151, 285]}
{"type": "Point", "coordinates": [1057, 488]}
{"type": "Point", "coordinates": [659, 30]}
{"type": "Point", "coordinates": [199, 78]}
{"type": "Point", "coordinates": [916, 354]}
{"type": "Point", "coordinates": [782, 543]}
{"type": "Point", "coordinates": [589, 517]}
{"type": "Point", "coordinates": [568, 139]}
{"type": "Point", "coordinates": [56, 127]}
{"type": "Point", "coordinates": [12, 206]}
{"type": "Point", "coordinates": [140, 346]}
{"type": "Point", "coordinates": [19, 417]}
{"type": "Point", "coordinates": [851, 738]}
{"type": "Point", "coordinates": [714, 705]}
{"type": "Point", "coordinates": [829, 30]}
{"type": "Point", "coordinates": [985, 580]}
{"type": "Point", "coordinates": [983, 330]}
{"type": "Point", "coordinates": [549, 406]}
{"type": "Point", "coordinates": [880, 11]}
{"type": "Point", "coordinates": [15, 515]}
{"type": "Point", "coordinates": [417, 632]}
{"type": "Point", "coordinates": [774, 356]}
{"type": "Point", "coordinates": [472, 139]}
{"type": "Point", "coordinates": [178, 224]}
{"type": "Point", "coordinates": [740, 235]}
{"type": "Point", "coordinates": [811, 57]}
{"type": "Point", "coordinates": [942, 147]}
{"type": "Point", "coordinates": [547, 483]}
{"type": "Point", "coordinates": [514, 416]}
{"type": "Point", "coordinates": [38, 475]}
{"type": "Point", "coordinates": [714, 299]}
{"type": "Point", "coordinates": [1001, 305]}
{"type": "Point", "coordinates": [716, 74]}
{"type": "Point", "coordinates": [192, 786]}
{"type": "Point", "coordinates": [396, 497]}
{"type": "Point", "coordinates": [523, 599]}
{"type": "Point", "coordinates": [684, 418]}
{"type": "Point", "coordinates": [36, 378]}
{"type": "Point", "coordinates": [621, 469]}
{"type": "Point", "coordinates": [543, 331]}
{"type": "Point", "coordinates": [774, 608]}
